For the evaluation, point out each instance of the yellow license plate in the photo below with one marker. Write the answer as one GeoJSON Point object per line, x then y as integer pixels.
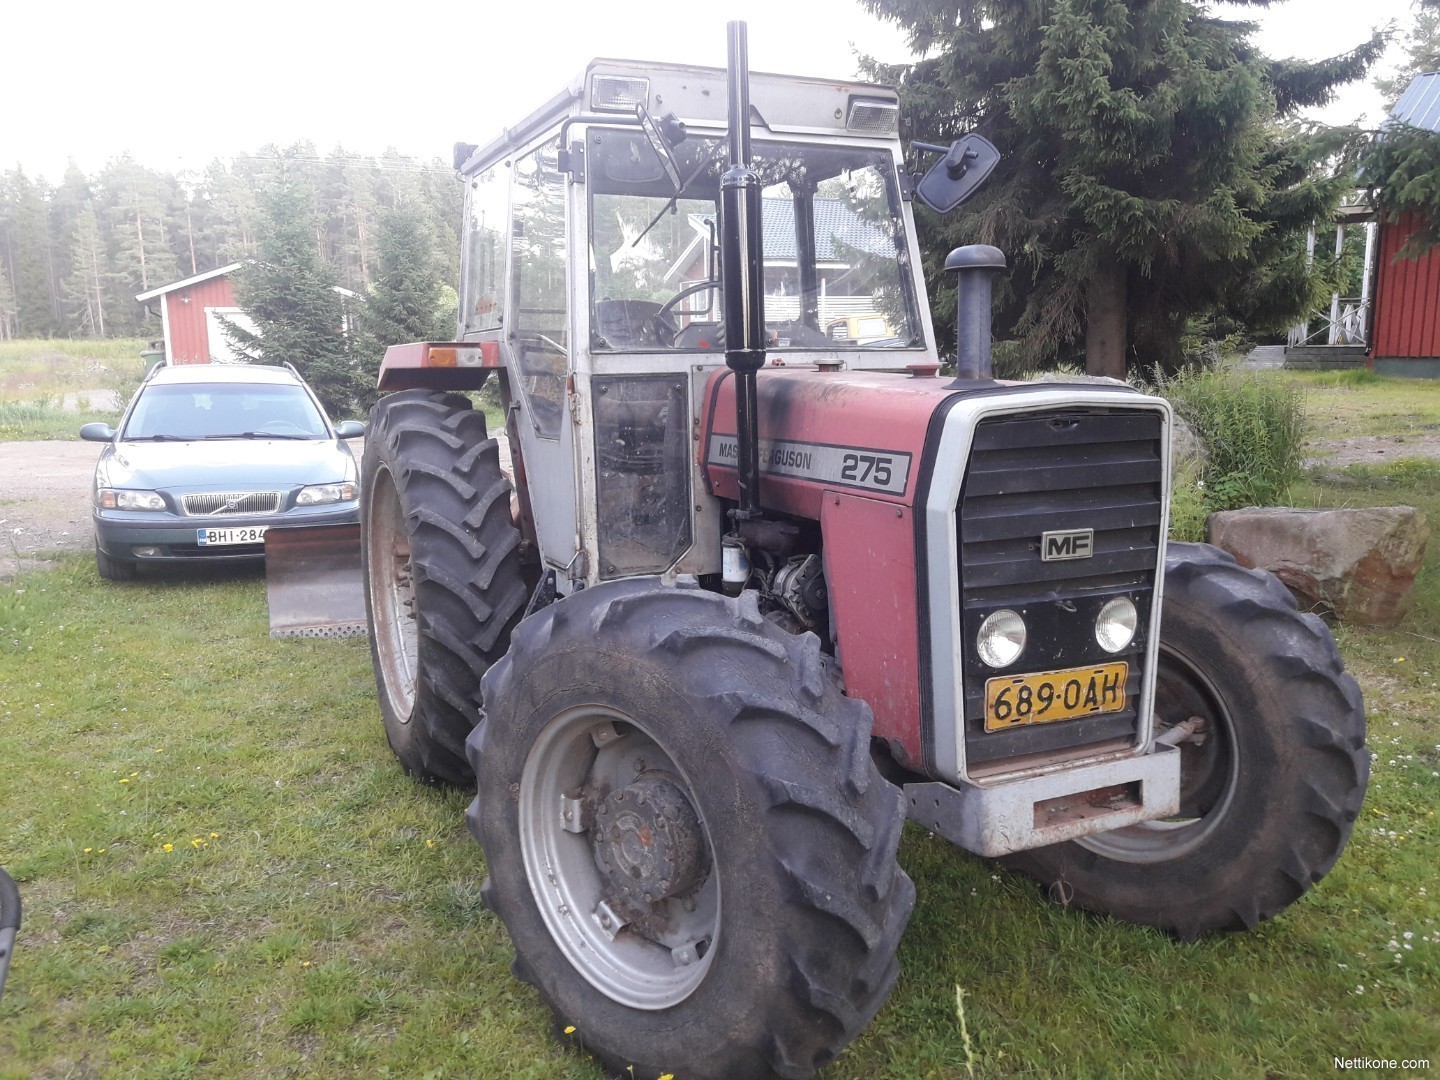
{"type": "Point", "coordinates": [1048, 696]}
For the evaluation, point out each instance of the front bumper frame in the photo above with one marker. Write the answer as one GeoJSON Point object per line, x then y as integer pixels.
{"type": "Point", "coordinates": [119, 532]}
{"type": "Point", "coordinates": [1001, 818]}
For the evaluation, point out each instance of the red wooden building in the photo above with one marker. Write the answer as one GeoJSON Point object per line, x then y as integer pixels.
{"type": "Point", "coordinates": [190, 312]}
{"type": "Point", "coordinates": [1405, 339]}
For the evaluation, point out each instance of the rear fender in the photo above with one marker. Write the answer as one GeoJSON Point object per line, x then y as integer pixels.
{"type": "Point", "coordinates": [439, 365]}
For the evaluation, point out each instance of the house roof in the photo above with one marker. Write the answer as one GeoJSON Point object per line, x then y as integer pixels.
{"type": "Point", "coordinates": [1419, 106]}
{"type": "Point", "coordinates": [836, 226]}
{"type": "Point", "coordinates": [186, 282]}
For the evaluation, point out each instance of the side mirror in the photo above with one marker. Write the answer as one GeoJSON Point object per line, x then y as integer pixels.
{"type": "Point", "coordinates": [97, 432]}
{"type": "Point", "coordinates": [658, 143]}
{"type": "Point", "coordinates": [968, 161]}
{"type": "Point", "coordinates": [349, 429]}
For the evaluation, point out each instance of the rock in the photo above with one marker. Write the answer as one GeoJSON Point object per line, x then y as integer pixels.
{"type": "Point", "coordinates": [1361, 564]}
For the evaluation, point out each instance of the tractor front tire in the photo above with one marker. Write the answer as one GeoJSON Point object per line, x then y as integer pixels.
{"type": "Point", "coordinates": [1271, 788]}
{"type": "Point", "coordinates": [443, 583]}
{"type": "Point", "coordinates": [686, 837]}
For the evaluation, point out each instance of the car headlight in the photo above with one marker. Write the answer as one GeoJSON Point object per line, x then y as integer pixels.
{"type": "Point", "coordinates": [126, 499]}
{"type": "Point", "coordinates": [1001, 639]}
{"type": "Point", "coordinates": [1116, 623]}
{"type": "Point", "coordinates": [318, 494]}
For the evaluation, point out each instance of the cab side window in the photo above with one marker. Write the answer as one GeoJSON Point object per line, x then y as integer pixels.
{"type": "Point", "coordinates": [539, 329]}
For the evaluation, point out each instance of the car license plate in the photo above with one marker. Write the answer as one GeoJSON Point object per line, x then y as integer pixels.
{"type": "Point", "coordinates": [1048, 696]}
{"type": "Point", "coordinates": [251, 534]}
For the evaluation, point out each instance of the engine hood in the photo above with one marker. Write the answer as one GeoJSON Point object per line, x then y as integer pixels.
{"type": "Point", "coordinates": [224, 464]}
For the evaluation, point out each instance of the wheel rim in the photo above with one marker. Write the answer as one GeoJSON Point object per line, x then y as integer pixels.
{"type": "Point", "coordinates": [648, 946]}
{"type": "Point", "coordinates": [392, 596]}
{"type": "Point", "coordinates": [1208, 770]}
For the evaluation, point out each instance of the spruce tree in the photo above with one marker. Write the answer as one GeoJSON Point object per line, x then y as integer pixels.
{"type": "Point", "coordinates": [1401, 166]}
{"type": "Point", "coordinates": [289, 293]}
{"type": "Point", "coordinates": [408, 301]}
{"type": "Point", "coordinates": [1146, 177]}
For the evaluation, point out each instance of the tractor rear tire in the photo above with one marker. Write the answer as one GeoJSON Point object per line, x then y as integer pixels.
{"type": "Point", "coordinates": [1268, 797]}
{"type": "Point", "coordinates": [443, 584]}
{"type": "Point", "coordinates": [686, 837]}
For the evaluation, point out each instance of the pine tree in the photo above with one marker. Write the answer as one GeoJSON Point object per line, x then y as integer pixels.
{"type": "Point", "coordinates": [1145, 179]}
{"type": "Point", "coordinates": [28, 254]}
{"type": "Point", "coordinates": [7, 306]}
{"type": "Point", "coordinates": [84, 287]}
{"type": "Point", "coordinates": [289, 293]}
{"type": "Point", "coordinates": [1422, 52]}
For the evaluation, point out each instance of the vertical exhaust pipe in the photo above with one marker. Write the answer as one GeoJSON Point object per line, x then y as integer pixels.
{"type": "Point", "coordinates": [975, 267]}
{"type": "Point", "coordinates": [742, 273]}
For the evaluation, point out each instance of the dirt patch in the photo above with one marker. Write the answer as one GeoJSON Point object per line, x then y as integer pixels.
{"type": "Point", "coordinates": [1372, 450]}
{"type": "Point", "coordinates": [44, 501]}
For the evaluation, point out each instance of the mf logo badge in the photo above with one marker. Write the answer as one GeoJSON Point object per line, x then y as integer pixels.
{"type": "Point", "coordinates": [1067, 544]}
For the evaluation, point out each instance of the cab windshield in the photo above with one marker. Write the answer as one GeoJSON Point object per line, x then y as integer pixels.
{"type": "Point", "coordinates": [837, 271]}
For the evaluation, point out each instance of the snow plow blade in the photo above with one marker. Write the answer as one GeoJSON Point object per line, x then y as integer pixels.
{"type": "Point", "coordinates": [313, 581]}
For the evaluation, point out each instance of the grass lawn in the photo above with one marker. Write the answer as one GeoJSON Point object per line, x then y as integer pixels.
{"type": "Point", "coordinates": [226, 875]}
{"type": "Point", "coordinates": [36, 376]}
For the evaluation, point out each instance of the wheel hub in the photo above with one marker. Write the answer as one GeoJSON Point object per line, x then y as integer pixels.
{"type": "Point", "coordinates": [648, 842]}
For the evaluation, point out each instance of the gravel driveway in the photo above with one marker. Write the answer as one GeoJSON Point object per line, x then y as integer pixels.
{"type": "Point", "coordinates": [44, 500]}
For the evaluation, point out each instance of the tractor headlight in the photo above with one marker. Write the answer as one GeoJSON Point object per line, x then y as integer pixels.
{"type": "Point", "coordinates": [1115, 625]}
{"type": "Point", "coordinates": [1001, 639]}
{"type": "Point", "coordinates": [318, 494]}
{"type": "Point", "coordinates": [123, 499]}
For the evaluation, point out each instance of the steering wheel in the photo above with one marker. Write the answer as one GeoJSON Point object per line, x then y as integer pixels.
{"type": "Point", "coordinates": [664, 326]}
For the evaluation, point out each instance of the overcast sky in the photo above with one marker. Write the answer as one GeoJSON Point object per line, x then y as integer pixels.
{"type": "Point", "coordinates": [177, 84]}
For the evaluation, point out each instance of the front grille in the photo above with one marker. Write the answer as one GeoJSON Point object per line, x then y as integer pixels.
{"type": "Point", "coordinates": [1099, 469]}
{"type": "Point", "coordinates": [214, 504]}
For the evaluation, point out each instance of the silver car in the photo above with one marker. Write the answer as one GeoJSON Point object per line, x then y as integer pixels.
{"type": "Point", "coordinates": [209, 456]}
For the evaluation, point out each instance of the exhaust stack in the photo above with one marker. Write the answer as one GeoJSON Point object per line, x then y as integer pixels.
{"type": "Point", "coordinates": [742, 270]}
{"type": "Point", "coordinates": [975, 267]}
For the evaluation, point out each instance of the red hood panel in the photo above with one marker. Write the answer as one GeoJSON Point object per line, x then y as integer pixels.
{"type": "Point", "coordinates": [860, 432]}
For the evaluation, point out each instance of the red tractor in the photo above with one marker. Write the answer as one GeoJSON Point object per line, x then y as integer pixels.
{"type": "Point", "coordinates": [764, 586]}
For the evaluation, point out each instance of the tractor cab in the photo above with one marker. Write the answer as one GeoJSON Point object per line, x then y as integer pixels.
{"type": "Point", "coordinates": [592, 265]}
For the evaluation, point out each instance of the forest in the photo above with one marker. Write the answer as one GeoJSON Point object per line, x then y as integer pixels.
{"type": "Point", "coordinates": [74, 254]}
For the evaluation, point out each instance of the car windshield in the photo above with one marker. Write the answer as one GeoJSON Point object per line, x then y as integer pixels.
{"type": "Point", "coordinates": [837, 271]}
{"type": "Point", "coordinates": [225, 411]}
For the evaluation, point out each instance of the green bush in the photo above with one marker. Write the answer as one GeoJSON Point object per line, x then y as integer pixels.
{"type": "Point", "coordinates": [1254, 426]}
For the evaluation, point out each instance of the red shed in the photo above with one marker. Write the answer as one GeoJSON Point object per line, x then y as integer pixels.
{"type": "Point", "coordinates": [190, 312]}
{"type": "Point", "coordinates": [1406, 336]}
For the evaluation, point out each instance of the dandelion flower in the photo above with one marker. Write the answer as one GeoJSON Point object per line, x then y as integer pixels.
{"type": "Point", "coordinates": [214, 836]}
{"type": "Point", "coordinates": [124, 779]}
{"type": "Point", "coordinates": [169, 847]}
{"type": "Point", "coordinates": [88, 850]}
{"type": "Point", "coordinates": [570, 1029]}
{"type": "Point", "coordinates": [430, 843]}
